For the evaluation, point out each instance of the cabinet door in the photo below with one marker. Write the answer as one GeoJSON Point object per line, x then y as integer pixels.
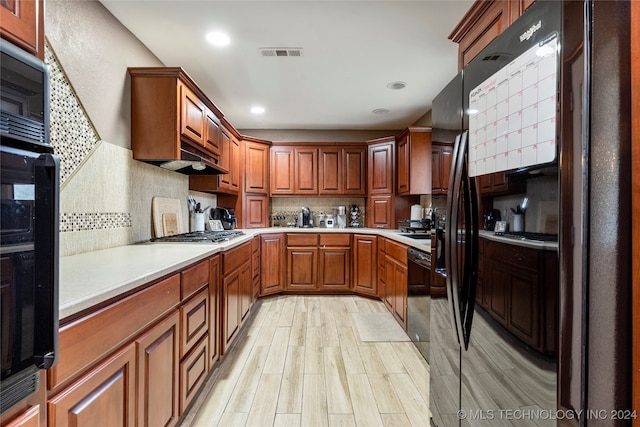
{"type": "Point", "coordinates": [390, 284]}
{"type": "Point", "coordinates": [379, 211]}
{"type": "Point", "coordinates": [302, 268]}
{"type": "Point", "coordinates": [158, 382]}
{"type": "Point", "coordinates": [306, 171]}
{"type": "Point", "coordinates": [365, 265]}
{"type": "Point", "coordinates": [255, 266]}
{"type": "Point", "coordinates": [381, 162]}
{"type": "Point", "coordinates": [256, 168]}
{"type": "Point", "coordinates": [271, 263]}
{"type": "Point", "coordinates": [404, 161]}
{"type": "Point", "coordinates": [524, 306]}
{"type": "Point", "coordinates": [246, 290]}
{"type": "Point", "coordinates": [234, 165]}
{"type": "Point", "coordinates": [441, 162]}
{"type": "Point", "coordinates": [212, 133]}
{"type": "Point", "coordinates": [330, 174]}
{"type": "Point", "coordinates": [282, 170]}
{"type": "Point", "coordinates": [194, 320]}
{"type": "Point", "coordinates": [231, 308]}
{"type": "Point", "coordinates": [354, 167]}
{"type": "Point", "coordinates": [214, 310]}
{"type": "Point", "coordinates": [499, 277]}
{"type": "Point", "coordinates": [334, 265]}
{"type": "Point", "coordinates": [400, 278]}
{"type": "Point", "coordinates": [224, 181]}
{"type": "Point", "coordinates": [29, 418]}
{"type": "Point", "coordinates": [104, 397]}
{"type": "Point", "coordinates": [193, 372]}
{"type": "Point", "coordinates": [23, 24]}
{"type": "Point", "coordinates": [192, 118]}
{"type": "Point", "coordinates": [256, 211]}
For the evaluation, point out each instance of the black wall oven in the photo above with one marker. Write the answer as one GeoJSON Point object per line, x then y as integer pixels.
{"type": "Point", "coordinates": [29, 191]}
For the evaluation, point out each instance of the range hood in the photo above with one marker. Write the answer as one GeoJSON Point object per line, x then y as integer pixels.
{"type": "Point", "coordinates": [191, 162]}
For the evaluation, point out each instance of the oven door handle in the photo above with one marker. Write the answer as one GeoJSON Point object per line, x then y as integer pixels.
{"type": "Point", "coordinates": [47, 204]}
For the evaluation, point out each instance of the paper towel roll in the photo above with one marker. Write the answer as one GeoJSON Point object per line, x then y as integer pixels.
{"type": "Point", "coordinates": [416, 213]}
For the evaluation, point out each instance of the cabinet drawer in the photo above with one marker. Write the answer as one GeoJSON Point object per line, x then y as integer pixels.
{"type": "Point", "coordinates": [305, 239]}
{"type": "Point", "coordinates": [233, 259]}
{"type": "Point", "coordinates": [89, 339]}
{"type": "Point", "coordinates": [193, 279]}
{"type": "Point", "coordinates": [193, 320]}
{"type": "Point", "coordinates": [193, 372]}
{"type": "Point", "coordinates": [397, 251]}
{"type": "Point", "coordinates": [331, 239]}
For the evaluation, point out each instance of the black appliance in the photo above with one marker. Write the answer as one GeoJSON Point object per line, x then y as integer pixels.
{"type": "Point", "coordinates": [490, 218]}
{"type": "Point", "coordinates": [305, 218]}
{"type": "Point", "coordinates": [227, 217]}
{"type": "Point", "coordinates": [418, 296]}
{"type": "Point", "coordinates": [480, 374]}
{"type": "Point", "coordinates": [29, 191]}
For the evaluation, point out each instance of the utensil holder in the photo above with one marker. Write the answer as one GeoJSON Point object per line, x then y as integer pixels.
{"type": "Point", "coordinates": [518, 222]}
{"type": "Point", "coordinates": [197, 221]}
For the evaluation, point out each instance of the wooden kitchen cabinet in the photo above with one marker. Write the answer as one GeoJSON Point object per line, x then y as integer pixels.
{"type": "Point", "coordinates": [256, 211]}
{"type": "Point", "coordinates": [22, 23]}
{"type": "Point", "coordinates": [484, 21]}
{"type": "Point", "coordinates": [236, 288]}
{"type": "Point", "coordinates": [365, 266]}
{"type": "Point", "coordinates": [29, 418]}
{"type": "Point", "coordinates": [282, 171]}
{"type": "Point", "coordinates": [517, 295]}
{"type": "Point", "coordinates": [441, 164]}
{"type": "Point", "coordinates": [381, 160]}
{"type": "Point", "coordinates": [256, 167]}
{"type": "Point", "coordinates": [396, 279]}
{"type": "Point", "coordinates": [104, 397]}
{"type": "Point", "coordinates": [255, 267]}
{"type": "Point", "coordinates": [230, 182]}
{"type": "Point", "coordinates": [302, 262]}
{"type": "Point", "coordinates": [158, 377]}
{"type": "Point", "coordinates": [193, 372]}
{"type": "Point", "coordinates": [334, 262]}
{"type": "Point", "coordinates": [215, 292]}
{"type": "Point", "coordinates": [380, 211]}
{"type": "Point", "coordinates": [169, 111]}
{"type": "Point", "coordinates": [499, 184]}
{"type": "Point", "coordinates": [272, 263]}
{"type": "Point", "coordinates": [414, 161]}
{"type": "Point", "coordinates": [305, 166]}
{"type": "Point", "coordinates": [342, 171]}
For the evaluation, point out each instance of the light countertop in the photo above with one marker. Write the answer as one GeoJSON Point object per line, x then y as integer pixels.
{"type": "Point", "coordinates": [550, 246]}
{"type": "Point", "coordinates": [92, 278]}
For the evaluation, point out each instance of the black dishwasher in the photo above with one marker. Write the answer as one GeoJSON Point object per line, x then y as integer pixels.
{"type": "Point", "coordinates": [419, 299]}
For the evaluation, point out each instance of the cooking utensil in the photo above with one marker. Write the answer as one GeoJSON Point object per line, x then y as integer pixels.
{"type": "Point", "coordinates": [523, 204]}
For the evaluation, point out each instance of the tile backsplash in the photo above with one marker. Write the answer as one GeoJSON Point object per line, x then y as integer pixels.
{"type": "Point", "coordinates": [290, 206]}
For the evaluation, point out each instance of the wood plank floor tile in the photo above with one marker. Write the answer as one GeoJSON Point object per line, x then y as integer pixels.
{"type": "Point", "coordinates": [290, 397]}
{"type": "Point", "coordinates": [233, 419]}
{"type": "Point", "coordinates": [416, 408]}
{"type": "Point", "coordinates": [263, 410]}
{"type": "Point", "coordinates": [314, 401]}
{"type": "Point", "coordinates": [313, 363]}
{"type": "Point", "coordinates": [387, 399]}
{"type": "Point", "coordinates": [338, 399]}
{"type": "Point", "coordinates": [298, 329]}
{"type": "Point", "coordinates": [277, 351]}
{"type": "Point", "coordinates": [242, 396]}
{"type": "Point", "coordinates": [396, 420]}
{"type": "Point", "coordinates": [341, 420]}
{"type": "Point", "coordinates": [288, 420]}
{"type": "Point", "coordinates": [364, 403]}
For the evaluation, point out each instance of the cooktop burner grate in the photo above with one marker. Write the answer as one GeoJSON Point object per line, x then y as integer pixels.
{"type": "Point", "coordinates": [526, 235]}
{"type": "Point", "coordinates": [201, 236]}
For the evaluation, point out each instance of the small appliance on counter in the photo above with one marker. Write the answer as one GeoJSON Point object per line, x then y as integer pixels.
{"type": "Point", "coordinates": [341, 216]}
{"type": "Point", "coordinates": [305, 218]}
{"type": "Point", "coordinates": [227, 217]}
{"type": "Point", "coordinates": [490, 219]}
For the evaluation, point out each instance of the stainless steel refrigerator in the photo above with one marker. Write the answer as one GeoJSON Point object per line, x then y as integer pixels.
{"type": "Point", "coordinates": [534, 327]}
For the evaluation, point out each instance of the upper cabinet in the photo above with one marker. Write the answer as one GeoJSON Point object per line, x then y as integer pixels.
{"type": "Point", "coordinates": [171, 116]}
{"type": "Point", "coordinates": [441, 167]}
{"type": "Point", "coordinates": [414, 161]}
{"type": "Point", "coordinates": [381, 170]}
{"type": "Point", "coordinates": [256, 167]}
{"type": "Point", "coordinates": [22, 23]}
{"type": "Point", "coordinates": [318, 170]}
{"type": "Point", "coordinates": [485, 20]}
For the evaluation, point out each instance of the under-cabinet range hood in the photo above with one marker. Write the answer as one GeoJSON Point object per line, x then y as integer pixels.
{"type": "Point", "coordinates": [191, 162]}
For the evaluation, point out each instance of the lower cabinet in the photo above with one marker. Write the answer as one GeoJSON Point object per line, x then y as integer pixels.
{"type": "Point", "coordinates": [271, 263]}
{"type": "Point", "coordinates": [395, 280]}
{"type": "Point", "coordinates": [104, 397]}
{"type": "Point", "coordinates": [237, 289]}
{"type": "Point", "coordinates": [158, 377]}
{"type": "Point", "coordinates": [365, 255]}
{"type": "Point", "coordinates": [29, 418]}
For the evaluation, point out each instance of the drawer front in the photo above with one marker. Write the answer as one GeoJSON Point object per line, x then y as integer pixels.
{"type": "Point", "coordinates": [306, 239]}
{"type": "Point", "coordinates": [193, 372]}
{"type": "Point", "coordinates": [331, 239]}
{"type": "Point", "coordinates": [86, 341]}
{"type": "Point", "coordinates": [397, 251]}
{"type": "Point", "coordinates": [193, 320]}
{"type": "Point", "coordinates": [233, 259]}
{"type": "Point", "coordinates": [193, 279]}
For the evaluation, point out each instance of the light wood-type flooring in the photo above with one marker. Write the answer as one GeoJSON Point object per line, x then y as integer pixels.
{"type": "Point", "coordinates": [302, 363]}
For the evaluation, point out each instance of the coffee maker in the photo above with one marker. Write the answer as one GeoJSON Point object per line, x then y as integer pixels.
{"type": "Point", "coordinates": [305, 218]}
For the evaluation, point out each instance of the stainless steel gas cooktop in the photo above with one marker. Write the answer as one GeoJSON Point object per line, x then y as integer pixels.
{"type": "Point", "coordinates": [201, 237]}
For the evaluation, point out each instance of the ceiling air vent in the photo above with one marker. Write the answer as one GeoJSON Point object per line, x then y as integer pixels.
{"type": "Point", "coordinates": [281, 51]}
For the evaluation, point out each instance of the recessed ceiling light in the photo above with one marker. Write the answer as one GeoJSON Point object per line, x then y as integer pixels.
{"type": "Point", "coordinates": [397, 85]}
{"type": "Point", "coordinates": [380, 111]}
{"type": "Point", "coordinates": [218, 38]}
{"type": "Point", "coordinates": [257, 109]}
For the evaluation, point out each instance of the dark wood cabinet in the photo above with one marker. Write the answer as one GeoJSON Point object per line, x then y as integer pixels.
{"type": "Point", "coordinates": [302, 261]}
{"type": "Point", "coordinates": [499, 183]}
{"type": "Point", "coordinates": [365, 264]}
{"type": "Point", "coordinates": [342, 171]}
{"type": "Point", "coordinates": [305, 166]}
{"type": "Point", "coordinates": [22, 23]}
{"type": "Point", "coordinates": [255, 211]}
{"type": "Point", "coordinates": [414, 161]}
{"type": "Point", "coordinates": [484, 21]}
{"type": "Point", "coordinates": [237, 288]}
{"type": "Point", "coordinates": [380, 211]}
{"type": "Point", "coordinates": [230, 182]}
{"type": "Point", "coordinates": [381, 160]}
{"type": "Point", "coordinates": [517, 295]}
{"type": "Point", "coordinates": [255, 267]}
{"type": "Point", "coordinates": [158, 378]}
{"type": "Point", "coordinates": [272, 263]}
{"type": "Point", "coordinates": [441, 168]}
{"type": "Point", "coordinates": [105, 396]}
{"type": "Point", "coordinates": [282, 171]}
{"type": "Point", "coordinates": [334, 262]}
{"type": "Point", "coordinates": [193, 116]}
{"type": "Point", "coordinates": [215, 292]}
{"type": "Point", "coordinates": [256, 168]}
{"type": "Point", "coordinates": [395, 280]}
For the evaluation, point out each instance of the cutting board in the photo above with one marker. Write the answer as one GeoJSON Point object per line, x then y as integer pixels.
{"type": "Point", "coordinates": [167, 216]}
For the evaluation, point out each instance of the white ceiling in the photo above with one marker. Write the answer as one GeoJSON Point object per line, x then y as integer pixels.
{"type": "Point", "coordinates": [351, 51]}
